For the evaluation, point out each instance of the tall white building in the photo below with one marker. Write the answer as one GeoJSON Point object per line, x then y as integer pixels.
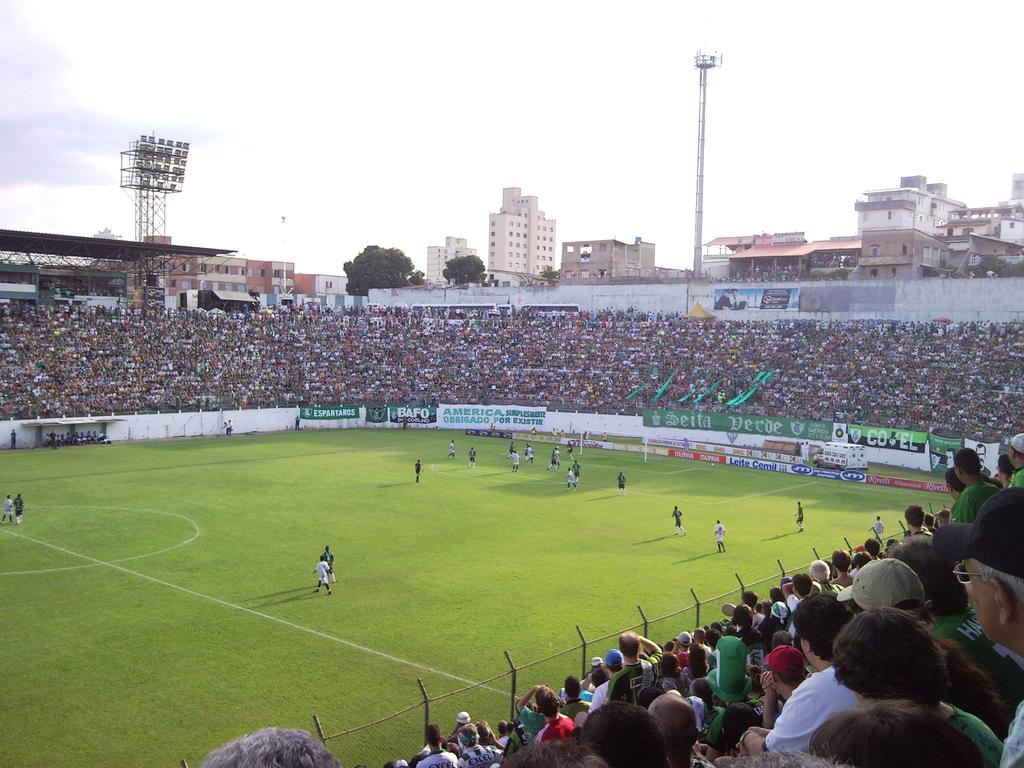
{"type": "Point", "coordinates": [439, 255]}
{"type": "Point", "coordinates": [913, 205]}
{"type": "Point", "coordinates": [521, 237]}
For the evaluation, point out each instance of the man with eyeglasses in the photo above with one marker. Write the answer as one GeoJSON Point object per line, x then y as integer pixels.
{"type": "Point", "coordinates": [993, 568]}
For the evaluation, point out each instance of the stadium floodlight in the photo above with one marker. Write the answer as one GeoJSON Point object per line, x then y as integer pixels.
{"type": "Point", "coordinates": [153, 166]}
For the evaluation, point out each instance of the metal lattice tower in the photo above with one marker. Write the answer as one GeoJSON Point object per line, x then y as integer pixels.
{"type": "Point", "coordinates": [154, 168]}
{"type": "Point", "coordinates": [703, 62]}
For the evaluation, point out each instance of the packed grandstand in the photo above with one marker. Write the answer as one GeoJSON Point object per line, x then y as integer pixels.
{"type": "Point", "coordinates": [964, 378]}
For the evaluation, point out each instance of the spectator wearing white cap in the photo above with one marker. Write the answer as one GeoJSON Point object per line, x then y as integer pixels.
{"type": "Point", "coordinates": [613, 661]}
{"type": "Point", "coordinates": [1016, 454]}
{"type": "Point", "coordinates": [587, 682]}
{"type": "Point", "coordinates": [461, 719]}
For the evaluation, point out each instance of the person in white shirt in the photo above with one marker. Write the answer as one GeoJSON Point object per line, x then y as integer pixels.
{"type": "Point", "coordinates": [451, 450]}
{"type": "Point", "coordinates": [613, 660]}
{"type": "Point", "coordinates": [720, 535]}
{"type": "Point", "coordinates": [323, 572]}
{"type": "Point", "coordinates": [515, 461]}
{"type": "Point", "coordinates": [572, 481]}
{"type": "Point", "coordinates": [8, 510]}
{"type": "Point", "coordinates": [812, 702]}
{"type": "Point", "coordinates": [878, 527]}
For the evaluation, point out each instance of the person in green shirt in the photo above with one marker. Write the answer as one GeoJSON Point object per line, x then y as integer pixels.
{"type": "Point", "coordinates": [954, 617]}
{"type": "Point", "coordinates": [977, 488]}
{"type": "Point", "coordinates": [1016, 454]}
{"type": "Point", "coordinates": [328, 557]}
{"type": "Point", "coordinates": [636, 673]}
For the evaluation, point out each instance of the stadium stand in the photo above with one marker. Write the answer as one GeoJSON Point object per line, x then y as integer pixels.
{"type": "Point", "coordinates": [965, 378]}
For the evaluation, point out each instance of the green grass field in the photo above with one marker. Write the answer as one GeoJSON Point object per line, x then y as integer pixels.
{"type": "Point", "coordinates": [158, 598]}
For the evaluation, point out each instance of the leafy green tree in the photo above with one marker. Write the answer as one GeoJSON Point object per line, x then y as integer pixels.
{"type": "Point", "coordinates": [465, 269]}
{"type": "Point", "coordinates": [378, 267]}
{"type": "Point", "coordinates": [550, 274]}
{"type": "Point", "coordinates": [416, 278]}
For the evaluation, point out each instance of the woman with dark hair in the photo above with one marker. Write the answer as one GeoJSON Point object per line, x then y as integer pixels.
{"type": "Point", "coordinates": [894, 733]}
{"type": "Point", "coordinates": [669, 676]}
{"type": "Point", "coordinates": [698, 664]}
{"type": "Point", "coordinates": [1004, 470]}
{"type": "Point", "coordinates": [886, 653]}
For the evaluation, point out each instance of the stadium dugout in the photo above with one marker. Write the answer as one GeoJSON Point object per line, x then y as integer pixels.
{"type": "Point", "coordinates": [71, 426]}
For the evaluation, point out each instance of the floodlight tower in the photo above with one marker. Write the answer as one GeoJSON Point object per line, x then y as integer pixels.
{"type": "Point", "coordinates": [703, 62]}
{"type": "Point", "coordinates": [154, 168]}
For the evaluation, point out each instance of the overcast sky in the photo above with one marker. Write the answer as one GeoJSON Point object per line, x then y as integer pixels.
{"type": "Point", "coordinates": [399, 123]}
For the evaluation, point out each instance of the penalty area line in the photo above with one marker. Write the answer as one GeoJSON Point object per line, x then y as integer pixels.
{"type": "Point", "coordinates": [260, 614]}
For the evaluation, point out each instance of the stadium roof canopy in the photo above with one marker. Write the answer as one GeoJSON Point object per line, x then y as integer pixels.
{"type": "Point", "coordinates": [70, 251]}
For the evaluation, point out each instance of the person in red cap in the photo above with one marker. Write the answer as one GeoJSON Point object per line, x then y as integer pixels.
{"type": "Point", "coordinates": [818, 619]}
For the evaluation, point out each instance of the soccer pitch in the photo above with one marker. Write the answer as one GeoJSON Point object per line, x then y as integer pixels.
{"type": "Point", "coordinates": [158, 597]}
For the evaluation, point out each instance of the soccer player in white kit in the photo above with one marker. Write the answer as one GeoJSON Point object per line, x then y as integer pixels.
{"type": "Point", "coordinates": [529, 453]}
{"type": "Point", "coordinates": [323, 570]}
{"type": "Point", "coordinates": [720, 535]}
{"type": "Point", "coordinates": [451, 450]}
{"type": "Point", "coordinates": [515, 461]}
{"type": "Point", "coordinates": [878, 527]}
{"type": "Point", "coordinates": [8, 510]}
{"type": "Point", "coordinates": [572, 480]}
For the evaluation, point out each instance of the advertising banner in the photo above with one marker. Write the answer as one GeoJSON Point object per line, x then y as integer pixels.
{"type": "Point", "coordinates": [376, 414]}
{"type": "Point", "coordinates": [712, 458]}
{"type": "Point", "coordinates": [767, 466]}
{"type": "Point", "coordinates": [885, 437]}
{"type": "Point", "coordinates": [987, 452]}
{"type": "Point", "coordinates": [329, 413]}
{"type": "Point", "coordinates": [907, 483]}
{"type": "Point", "coordinates": [483, 416]}
{"type": "Point", "coordinates": [941, 450]}
{"type": "Point", "coordinates": [728, 450]}
{"type": "Point", "coordinates": [839, 432]}
{"type": "Point", "coordinates": [757, 298]}
{"type": "Point", "coordinates": [849, 475]}
{"type": "Point", "coordinates": [798, 429]}
{"type": "Point", "coordinates": [412, 414]}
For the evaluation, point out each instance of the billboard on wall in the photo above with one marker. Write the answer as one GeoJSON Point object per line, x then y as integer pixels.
{"type": "Point", "coordinates": [908, 440]}
{"type": "Point", "coordinates": [768, 426]}
{"type": "Point", "coordinates": [757, 298]}
{"type": "Point", "coordinates": [941, 450]}
{"type": "Point", "coordinates": [459, 416]}
{"type": "Point", "coordinates": [412, 414]}
{"type": "Point", "coordinates": [329, 413]}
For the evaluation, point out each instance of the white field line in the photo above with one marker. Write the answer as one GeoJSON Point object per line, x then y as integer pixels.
{"type": "Point", "coordinates": [189, 520]}
{"type": "Point", "coordinates": [253, 612]}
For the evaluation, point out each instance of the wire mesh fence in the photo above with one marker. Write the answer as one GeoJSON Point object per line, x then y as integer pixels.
{"type": "Point", "coordinates": [400, 734]}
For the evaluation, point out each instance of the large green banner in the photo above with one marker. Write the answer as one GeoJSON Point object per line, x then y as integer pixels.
{"type": "Point", "coordinates": [798, 429]}
{"type": "Point", "coordinates": [329, 413]}
{"type": "Point", "coordinates": [908, 440]}
{"type": "Point", "coordinates": [941, 450]}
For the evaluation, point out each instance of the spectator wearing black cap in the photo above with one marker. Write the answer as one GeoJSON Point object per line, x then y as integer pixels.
{"type": "Point", "coordinates": [819, 619]}
{"type": "Point", "coordinates": [993, 568]}
{"type": "Point", "coordinates": [954, 618]}
{"type": "Point", "coordinates": [886, 653]}
{"type": "Point", "coordinates": [967, 466]}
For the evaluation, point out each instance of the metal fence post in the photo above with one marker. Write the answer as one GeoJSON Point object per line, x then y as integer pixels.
{"type": "Point", "coordinates": [583, 656]}
{"type": "Point", "coordinates": [816, 555]}
{"type": "Point", "coordinates": [426, 703]}
{"type": "Point", "coordinates": [319, 728]}
{"type": "Point", "coordinates": [781, 567]}
{"type": "Point", "coordinates": [643, 616]}
{"type": "Point", "coordinates": [696, 602]}
{"type": "Point", "coordinates": [902, 527]}
{"type": "Point", "coordinates": [742, 588]}
{"type": "Point", "coordinates": [849, 546]}
{"type": "Point", "coordinates": [512, 692]}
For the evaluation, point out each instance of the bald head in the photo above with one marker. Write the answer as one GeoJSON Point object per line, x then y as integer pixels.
{"type": "Point", "coordinates": [677, 723]}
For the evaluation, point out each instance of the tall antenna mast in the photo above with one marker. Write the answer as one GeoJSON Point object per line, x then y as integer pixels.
{"type": "Point", "coordinates": [703, 62]}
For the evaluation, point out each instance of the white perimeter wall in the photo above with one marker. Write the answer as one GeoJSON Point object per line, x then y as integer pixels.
{"type": "Point", "coordinates": [960, 300]}
{"type": "Point", "coordinates": [163, 426]}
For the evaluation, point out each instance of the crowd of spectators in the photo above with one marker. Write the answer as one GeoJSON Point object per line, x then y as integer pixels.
{"type": "Point", "coordinates": [964, 378]}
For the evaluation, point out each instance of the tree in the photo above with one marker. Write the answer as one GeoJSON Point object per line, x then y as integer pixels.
{"type": "Point", "coordinates": [378, 267]}
{"type": "Point", "coordinates": [550, 274]}
{"type": "Point", "coordinates": [416, 278]}
{"type": "Point", "coordinates": [465, 269]}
